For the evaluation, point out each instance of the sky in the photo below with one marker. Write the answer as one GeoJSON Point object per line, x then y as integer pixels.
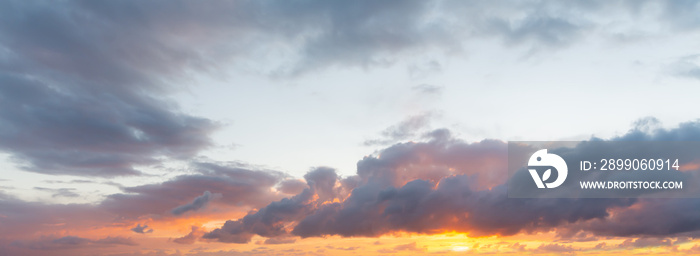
{"type": "Point", "coordinates": [332, 127]}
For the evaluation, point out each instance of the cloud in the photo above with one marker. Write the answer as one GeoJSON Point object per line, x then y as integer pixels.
{"type": "Point", "coordinates": [407, 247]}
{"type": "Point", "coordinates": [406, 129]}
{"type": "Point", "coordinates": [232, 185]}
{"type": "Point", "coordinates": [323, 182]}
{"type": "Point", "coordinates": [677, 15]}
{"type": "Point", "coordinates": [59, 192]}
{"type": "Point", "coordinates": [421, 207]}
{"type": "Point", "coordinates": [428, 89]}
{"type": "Point", "coordinates": [116, 240]}
{"type": "Point", "coordinates": [424, 69]}
{"type": "Point", "coordinates": [435, 159]}
{"type": "Point", "coordinates": [196, 204]}
{"type": "Point", "coordinates": [402, 247]}
{"type": "Point", "coordinates": [72, 242]}
{"type": "Point", "coordinates": [29, 218]}
{"type": "Point", "coordinates": [686, 66]}
{"type": "Point", "coordinates": [157, 36]}
{"type": "Point", "coordinates": [292, 186]}
{"type": "Point", "coordinates": [89, 98]}
{"type": "Point", "coordinates": [268, 222]}
{"type": "Point", "coordinates": [85, 99]}
{"type": "Point", "coordinates": [438, 185]}
{"type": "Point", "coordinates": [447, 185]}
{"type": "Point", "coordinates": [240, 189]}
{"type": "Point", "coordinates": [191, 237]}
{"type": "Point", "coordinates": [439, 195]}
{"type": "Point", "coordinates": [550, 31]}
{"type": "Point", "coordinates": [678, 216]}
{"type": "Point", "coordinates": [556, 248]}
{"type": "Point", "coordinates": [280, 240]}
{"type": "Point", "coordinates": [646, 242]}
{"type": "Point", "coordinates": [106, 134]}
{"type": "Point", "coordinates": [142, 229]}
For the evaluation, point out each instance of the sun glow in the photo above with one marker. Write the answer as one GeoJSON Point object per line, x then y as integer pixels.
{"type": "Point", "coordinates": [460, 248]}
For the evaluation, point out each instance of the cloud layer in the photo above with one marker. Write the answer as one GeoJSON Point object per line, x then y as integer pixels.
{"type": "Point", "coordinates": [86, 83]}
{"type": "Point", "coordinates": [86, 89]}
{"type": "Point", "coordinates": [447, 185]}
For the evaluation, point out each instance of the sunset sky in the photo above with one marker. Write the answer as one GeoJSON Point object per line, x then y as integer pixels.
{"type": "Point", "coordinates": [333, 127]}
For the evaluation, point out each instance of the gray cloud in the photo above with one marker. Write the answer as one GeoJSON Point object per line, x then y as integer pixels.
{"type": "Point", "coordinates": [191, 237]}
{"type": "Point", "coordinates": [678, 15]}
{"type": "Point", "coordinates": [236, 186]}
{"type": "Point", "coordinates": [406, 129]}
{"type": "Point", "coordinates": [453, 188]}
{"type": "Point", "coordinates": [59, 192]}
{"type": "Point", "coordinates": [428, 89]}
{"type": "Point", "coordinates": [156, 35]}
{"type": "Point", "coordinates": [686, 66]}
{"type": "Point", "coordinates": [86, 83]}
{"type": "Point", "coordinates": [402, 247]}
{"type": "Point", "coordinates": [424, 69]}
{"type": "Point", "coordinates": [550, 31]}
{"type": "Point", "coordinates": [389, 197]}
{"type": "Point", "coordinates": [292, 186]}
{"type": "Point", "coordinates": [27, 218]}
{"type": "Point", "coordinates": [421, 207]}
{"type": "Point", "coordinates": [646, 242]}
{"type": "Point", "coordinates": [556, 248]}
{"type": "Point", "coordinates": [72, 242]}
{"type": "Point", "coordinates": [196, 204]}
{"type": "Point", "coordinates": [269, 221]}
{"type": "Point", "coordinates": [279, 240]}
{"type": "Point", "coordinates": [76, 101]}
{"type": "Point", "coordinates": [142, 229]}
